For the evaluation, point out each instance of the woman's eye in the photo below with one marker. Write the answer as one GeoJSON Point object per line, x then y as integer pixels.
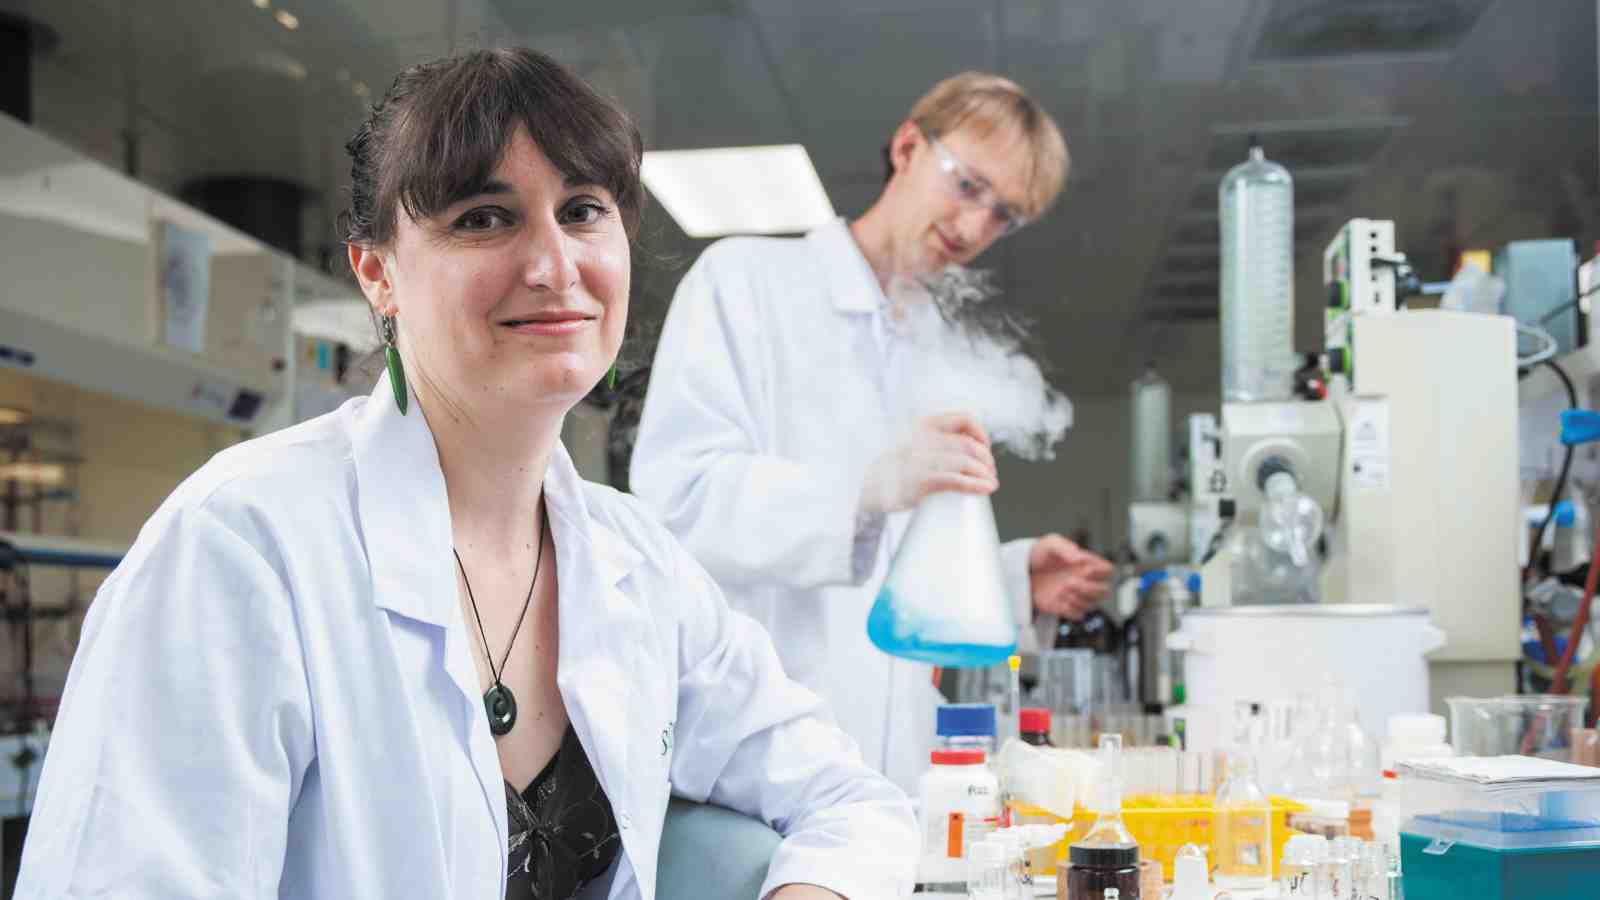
{"type": "Point", "coordinates": [481, 219]}
{"type": "Point", "coordinates": [584, 212]}
{"type": "Point", "coordinates": [969, 188]}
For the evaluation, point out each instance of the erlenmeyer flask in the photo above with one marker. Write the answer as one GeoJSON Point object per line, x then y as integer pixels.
{"type": "Point", "coordinates": [945, 599]}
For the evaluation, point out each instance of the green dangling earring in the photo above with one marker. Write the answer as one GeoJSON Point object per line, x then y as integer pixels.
{"type": "Point", "coordinates": [611, 378]}
{"type": "Point", "coordinates": [391, 359]}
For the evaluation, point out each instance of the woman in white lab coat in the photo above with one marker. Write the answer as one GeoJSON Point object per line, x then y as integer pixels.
{"type": "Point", "coordinates": [293, 687]}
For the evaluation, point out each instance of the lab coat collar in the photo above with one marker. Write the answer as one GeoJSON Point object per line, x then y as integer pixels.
{"type": "Point", "coordinates": [405, 514]}
{"type": "Point", "coordinates": [852, 284]}
{"type": "Point", "coordinates": [591, 544]}
{"type": "Point", "coordinates": [404, 509]}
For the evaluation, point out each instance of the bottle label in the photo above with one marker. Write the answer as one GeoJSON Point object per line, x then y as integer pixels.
{"type": "Point", "coordinates": [950, 835]}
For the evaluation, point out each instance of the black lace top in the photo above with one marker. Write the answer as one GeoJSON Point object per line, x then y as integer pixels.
{"type": "Point", "coordinates": [563, 833]}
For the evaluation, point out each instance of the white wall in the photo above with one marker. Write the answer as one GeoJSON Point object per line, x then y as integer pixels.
{"type": "Point", "coordinates": [1086, 485]}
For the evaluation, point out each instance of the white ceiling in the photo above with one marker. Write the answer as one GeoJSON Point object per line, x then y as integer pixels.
{"type": "Point", "coordinates": [1489, 139]}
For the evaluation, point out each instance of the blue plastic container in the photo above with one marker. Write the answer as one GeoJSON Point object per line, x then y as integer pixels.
{"type": "Point", "coordinates": [1525, 858]}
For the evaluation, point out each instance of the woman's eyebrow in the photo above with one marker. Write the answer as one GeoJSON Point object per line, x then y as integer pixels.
{"type": "Point", "coordinates": [491, 188]}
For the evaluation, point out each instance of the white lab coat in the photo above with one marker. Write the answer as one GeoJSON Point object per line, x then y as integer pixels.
{"type": "Point", "coordinates": [274, 695]}
{"type": "Point", "coordinates": [776, 383]}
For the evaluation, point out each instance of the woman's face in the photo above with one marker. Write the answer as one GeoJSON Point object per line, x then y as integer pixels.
{"type": "Point", "coordinates": [513, 298]}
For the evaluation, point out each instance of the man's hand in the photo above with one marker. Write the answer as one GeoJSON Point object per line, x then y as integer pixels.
{"type": "Point", "coordinates": [1066, 580]}
{"type": "Point", "coordinates": [803, 892]}
{"type": "Point", "coordinates": [949, 452]}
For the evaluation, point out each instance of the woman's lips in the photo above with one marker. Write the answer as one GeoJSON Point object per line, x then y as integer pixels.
{"type": "Point", "coordinates": [550, 327]}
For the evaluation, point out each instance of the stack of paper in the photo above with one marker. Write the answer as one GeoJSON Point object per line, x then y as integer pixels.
{"type": "Point", "coordinates": [1504, 773]}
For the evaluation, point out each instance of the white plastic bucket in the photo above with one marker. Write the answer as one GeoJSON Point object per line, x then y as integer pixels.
{"type": "Point", "coordinates": [1272, 654]}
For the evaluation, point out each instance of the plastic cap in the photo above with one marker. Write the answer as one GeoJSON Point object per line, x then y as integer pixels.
{"type": "Point", "coordinates": [1193, 583]}
{"type": "Point", "coordinates": [958, 757]}
{"type": "Point", "coordinates": [1036, 719]}
{"type": "Point", "coordinates": [1416, 728]}
{"type": "Point", "coordinates": [965, 720]}
{"type": "Point", "coordinates": [1565, 514]}
{"type": "Point", "coordinates": [1151, 579]}
{"type": "Point", "coordinates": [1579, 426]}
{"type": "Point", "coordinates": [1305, 849]}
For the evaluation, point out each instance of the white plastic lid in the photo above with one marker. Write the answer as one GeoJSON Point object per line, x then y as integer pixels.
{"type": "Point", "coordinates": [989, 852]}
{"type": "Point", "coordinates": [1416, 728]}
{"type": "Point", "coordinates": [1305, 849]}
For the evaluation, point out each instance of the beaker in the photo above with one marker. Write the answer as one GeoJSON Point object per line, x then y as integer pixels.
{"type": "Point", "coordinates": [1524, 725]}
{"type": "Point", "coordinates": [945, 600]}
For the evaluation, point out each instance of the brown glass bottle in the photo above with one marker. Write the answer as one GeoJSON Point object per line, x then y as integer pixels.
{"type": "Point", "coordinates": [1091, 868]}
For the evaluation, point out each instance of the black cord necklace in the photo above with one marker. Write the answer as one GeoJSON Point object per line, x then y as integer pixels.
{"type": "Point", "coordinates": [498, 701]}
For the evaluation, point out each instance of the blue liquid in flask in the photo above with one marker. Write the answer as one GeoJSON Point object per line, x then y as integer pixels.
{"type": "Point", "coordinates": [900, 638]}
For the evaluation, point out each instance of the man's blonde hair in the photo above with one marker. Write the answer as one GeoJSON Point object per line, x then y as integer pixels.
{"type": "Point", "coordinates": [989, 102]}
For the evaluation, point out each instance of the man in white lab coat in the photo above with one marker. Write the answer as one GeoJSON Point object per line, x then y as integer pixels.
{"type": "Point", "coordinates": [774, 440]}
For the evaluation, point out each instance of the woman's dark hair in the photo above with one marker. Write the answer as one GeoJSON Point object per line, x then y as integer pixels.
{"type": "Point", "coordinates": [437, 135]}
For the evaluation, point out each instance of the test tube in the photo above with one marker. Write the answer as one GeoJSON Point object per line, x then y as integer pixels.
{"type": "Point", "coordinates": [1336, 873]}
{"type": "Point", "coordinates": [1372, 874]}
{"type": "Point", "coordinates": [1397, 889]}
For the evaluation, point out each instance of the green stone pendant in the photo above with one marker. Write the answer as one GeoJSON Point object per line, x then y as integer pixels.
{"type": "Point", "coordinates": [501, 707]}
{"type": "Point", "coordinates": [397, 375]}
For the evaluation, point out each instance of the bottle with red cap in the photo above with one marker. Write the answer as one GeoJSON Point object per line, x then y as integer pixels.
{"type": "Point", "coordinates": [960, 807]}
{"type": "Point", "coordinates": [1036, 726]}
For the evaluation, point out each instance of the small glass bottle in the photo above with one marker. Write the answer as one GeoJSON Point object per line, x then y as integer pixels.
{"type": "Point", "coordinates": [988, 869]}
{"type": "Point", "coordinates": [1018, 883]}
{"type": "Point", "coordinates": [1243, 829]}
{"type": "Point", "coordinates": [1302, 857]}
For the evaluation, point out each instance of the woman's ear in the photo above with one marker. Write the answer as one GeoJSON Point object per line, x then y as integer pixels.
{"type": "Point", "coordinates": [372, 272]}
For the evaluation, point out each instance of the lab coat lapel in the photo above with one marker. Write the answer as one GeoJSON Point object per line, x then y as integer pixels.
{"type": "Point", "coordinates": [856, 296]}
{"type": "Point", "coordinates": [604, 632]}
{"type": "Point", "coordinates": [405, 519]}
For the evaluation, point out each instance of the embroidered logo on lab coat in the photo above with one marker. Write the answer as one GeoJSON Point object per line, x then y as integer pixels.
{"type": "Point", "coordinates": [666, 738]}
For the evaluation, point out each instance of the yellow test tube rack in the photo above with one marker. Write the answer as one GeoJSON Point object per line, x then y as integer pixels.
{"type": "Point", "coordinates": [1161, 823]}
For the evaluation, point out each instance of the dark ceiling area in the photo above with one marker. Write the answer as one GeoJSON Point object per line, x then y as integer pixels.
{"type": "Point", "coordinates": [1468, 122]}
